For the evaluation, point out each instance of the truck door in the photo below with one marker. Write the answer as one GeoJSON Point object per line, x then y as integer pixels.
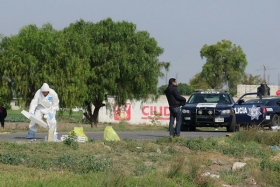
{"type": "Point", "coordinates": [248, 113]}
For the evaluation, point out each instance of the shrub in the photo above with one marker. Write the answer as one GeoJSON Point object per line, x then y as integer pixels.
{"type": "Point", "coordinates": [202, 144]}
{"type": "Point", "coordinates": [71, 141]}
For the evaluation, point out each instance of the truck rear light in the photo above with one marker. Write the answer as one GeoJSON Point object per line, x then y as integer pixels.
{"type": "Point", "coordinates": [264, 110]}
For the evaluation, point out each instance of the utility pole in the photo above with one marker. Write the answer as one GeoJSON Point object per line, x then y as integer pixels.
{"type": "Point", "coordinates": [264, 70]}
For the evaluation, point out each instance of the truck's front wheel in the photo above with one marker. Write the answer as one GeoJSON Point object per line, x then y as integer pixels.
{"type": "Point", "coordinates": [192, 128]}
{"type": "Point", "coordinates": [184, 128]}
{"type": "Point", "coordinates": [232, 126]}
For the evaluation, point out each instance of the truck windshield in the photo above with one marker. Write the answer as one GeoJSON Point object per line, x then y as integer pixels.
{"type": "Point", "coordinates": [209, 98]}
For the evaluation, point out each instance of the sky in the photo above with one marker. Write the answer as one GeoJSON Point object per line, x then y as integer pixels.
{"type": "Point", "coordinates": [181, 27]}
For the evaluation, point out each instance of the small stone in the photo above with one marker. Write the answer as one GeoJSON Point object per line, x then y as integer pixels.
{"type": "Point", "coordinates": [238, 165]}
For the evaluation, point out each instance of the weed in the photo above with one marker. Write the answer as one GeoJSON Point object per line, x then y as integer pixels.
{"type": "Point", "coordinates": [71, 141]}
{"type": "Point", "coordinates": [231, 177]}
{"type": "Point", "coordinates": [164, 140]}
{"type": "Point", "coordinates": [271, 165]}
{"type": "Point", "coordinates": [91, 140]}
{"type": "Point", "coordinates": [115, 177]}
{"type": "Point", "coordinates": [11, 158]}
{"type": "Point", "coordinates": [89, 164]}
{"type": "Point", "coordinates": [155, 118]}
{"type": "Point", "coordinates": [153, 157]}
{"type": "Point", "coordinates": [202, 144]}
{"type": "Point", "coordinates": [141, 170]}
{"type": "Point", "coordinates": [12, 145]}
{"type": "Point", "coordinates": [176, 167]}
{"type": "Point", "coordinates": [122, 125]}
{"type": "Point", "coordinates": [238, 149]}
{"type": "Point", "coordinates": [67, 160]}
{"type": "Point", "coordinates": [39, 162]}
{"type": "Point", "coordinates": [260, 137]}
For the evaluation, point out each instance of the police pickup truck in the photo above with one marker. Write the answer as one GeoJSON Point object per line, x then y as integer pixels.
{"type": "Point", "coordinates": [218, 109]}
{"type": "Point", "coordinates": [209, 109]}
{"type": "Point", "coordinates": [250, 110]}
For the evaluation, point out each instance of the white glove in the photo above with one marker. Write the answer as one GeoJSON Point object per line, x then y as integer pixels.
{"type": "Point", "coordinates": [50, 115]}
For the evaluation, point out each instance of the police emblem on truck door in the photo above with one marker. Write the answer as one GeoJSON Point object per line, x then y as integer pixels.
{"type": "Point", "coordinates": [254, 112]}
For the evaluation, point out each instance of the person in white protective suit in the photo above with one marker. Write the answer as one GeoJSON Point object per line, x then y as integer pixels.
{"type": "Point", "coordinates": [44, 104]}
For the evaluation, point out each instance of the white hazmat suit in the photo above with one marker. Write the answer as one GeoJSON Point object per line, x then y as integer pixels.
{"type": "Point", "coordinates": [43, 106]}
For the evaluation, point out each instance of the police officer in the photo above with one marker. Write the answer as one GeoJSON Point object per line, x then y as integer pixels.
{"type": "Point", "coordinates": [175, 101]}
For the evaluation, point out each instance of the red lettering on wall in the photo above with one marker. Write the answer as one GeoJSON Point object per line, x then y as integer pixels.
{"type": "Point", "coordinates": [166, 111]}
{"type": "Point", "coordinates": [144, 110]}
{"type": "Point", "coordinates": [150, 111]}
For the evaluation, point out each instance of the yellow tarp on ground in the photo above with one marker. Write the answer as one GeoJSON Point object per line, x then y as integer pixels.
{"type": "Point", "coordinates": [79, 131]}
{"type": "Point", "coordinates": [110, 134]}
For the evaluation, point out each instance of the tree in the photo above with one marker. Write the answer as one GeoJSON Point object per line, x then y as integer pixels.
{"type": "Point", "coordinates": [38, 55]}
{"type": "Point", "coordinates": [124, 63]}
{"type": "Point", "coordinates": [250, 79]}
{"type": "Point", "coordinates": [84, 63]}
{"type": "Point", "coordinates": [184, 89]}
{"type": "Point", "coordinates": [161, 89]}
{"type": "Point", "coordinates": [199, 82]}
{"type": "Point", "coordinates": [225, 64]}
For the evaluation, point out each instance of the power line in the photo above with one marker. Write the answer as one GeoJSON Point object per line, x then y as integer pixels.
{"type": "Point", "coordinates": [264, 71]}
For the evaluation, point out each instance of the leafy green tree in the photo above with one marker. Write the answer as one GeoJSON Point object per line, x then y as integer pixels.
{"type": "Point", "coordinates": [225, 64]}
{"type": "Point", "coordinates": [123, 63]}
{"type": "Point", "coordinates": [184, 89]}
{"type": "Point", "coordinates": [161, 89]}
{"type": "Point", "coordinates": [83, 62]}
{"type": "Point", "coordinates": [199, 82]}
{"type": "Point", "coordinates": [38, 55]}
{"type": "Point", "coordinates": [250, 79]}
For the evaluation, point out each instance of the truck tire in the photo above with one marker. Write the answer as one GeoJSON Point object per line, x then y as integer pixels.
{"type": "Point", "coordinates": [192, 128]}
{"type": "Point", "coordinates": [184, 128]}
{"type": "Point", "coordinates": [275, 120]}
{"type": "Point", "coordinates": [232, 126]}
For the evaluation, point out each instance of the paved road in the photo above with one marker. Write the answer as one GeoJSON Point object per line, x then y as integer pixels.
{"type": "Point", "coordinates": [136, 135]}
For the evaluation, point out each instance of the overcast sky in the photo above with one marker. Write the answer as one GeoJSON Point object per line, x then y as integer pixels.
{"type": "Point", "coordinates": [181, 27]}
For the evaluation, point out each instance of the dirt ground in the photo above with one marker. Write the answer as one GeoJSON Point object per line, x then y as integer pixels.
{"type": "Point", "coordinates": [22, 126]}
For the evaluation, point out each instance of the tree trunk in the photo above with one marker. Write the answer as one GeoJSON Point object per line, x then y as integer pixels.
{"type": "Point", "coordinates": [94, 117]}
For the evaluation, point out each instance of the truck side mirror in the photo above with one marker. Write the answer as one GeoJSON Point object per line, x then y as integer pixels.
{"type": "Point", "coordinates": [241, 101]}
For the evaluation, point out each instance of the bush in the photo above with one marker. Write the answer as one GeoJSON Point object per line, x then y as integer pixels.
{"type": "Point", "coordinates": [71, 141]}
{"type": "Point", "coordinates": [202, 144]}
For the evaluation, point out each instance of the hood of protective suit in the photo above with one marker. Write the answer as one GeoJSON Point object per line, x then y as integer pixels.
{"type": "Point", "coordinates": [45, 88]}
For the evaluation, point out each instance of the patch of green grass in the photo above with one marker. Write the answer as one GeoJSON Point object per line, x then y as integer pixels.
{"type": "Point", "coordinates": [232, 177]}
{"type": "Point", "coordinates": [261, 137]}
{"type": "Point", "coordinates": [165, 162]}
{"type": "Point", "coordinates": [71, 141]}
{"type": "Point", "coordinates": [202, 144]}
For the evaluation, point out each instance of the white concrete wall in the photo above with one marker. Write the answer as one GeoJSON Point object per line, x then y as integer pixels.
{"type": "Point", "coordinates": [241, 89]}
{"type": "Point", "coordinates": [137, 112]}
{"type": "Point", "coordinates": [142, 113]}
